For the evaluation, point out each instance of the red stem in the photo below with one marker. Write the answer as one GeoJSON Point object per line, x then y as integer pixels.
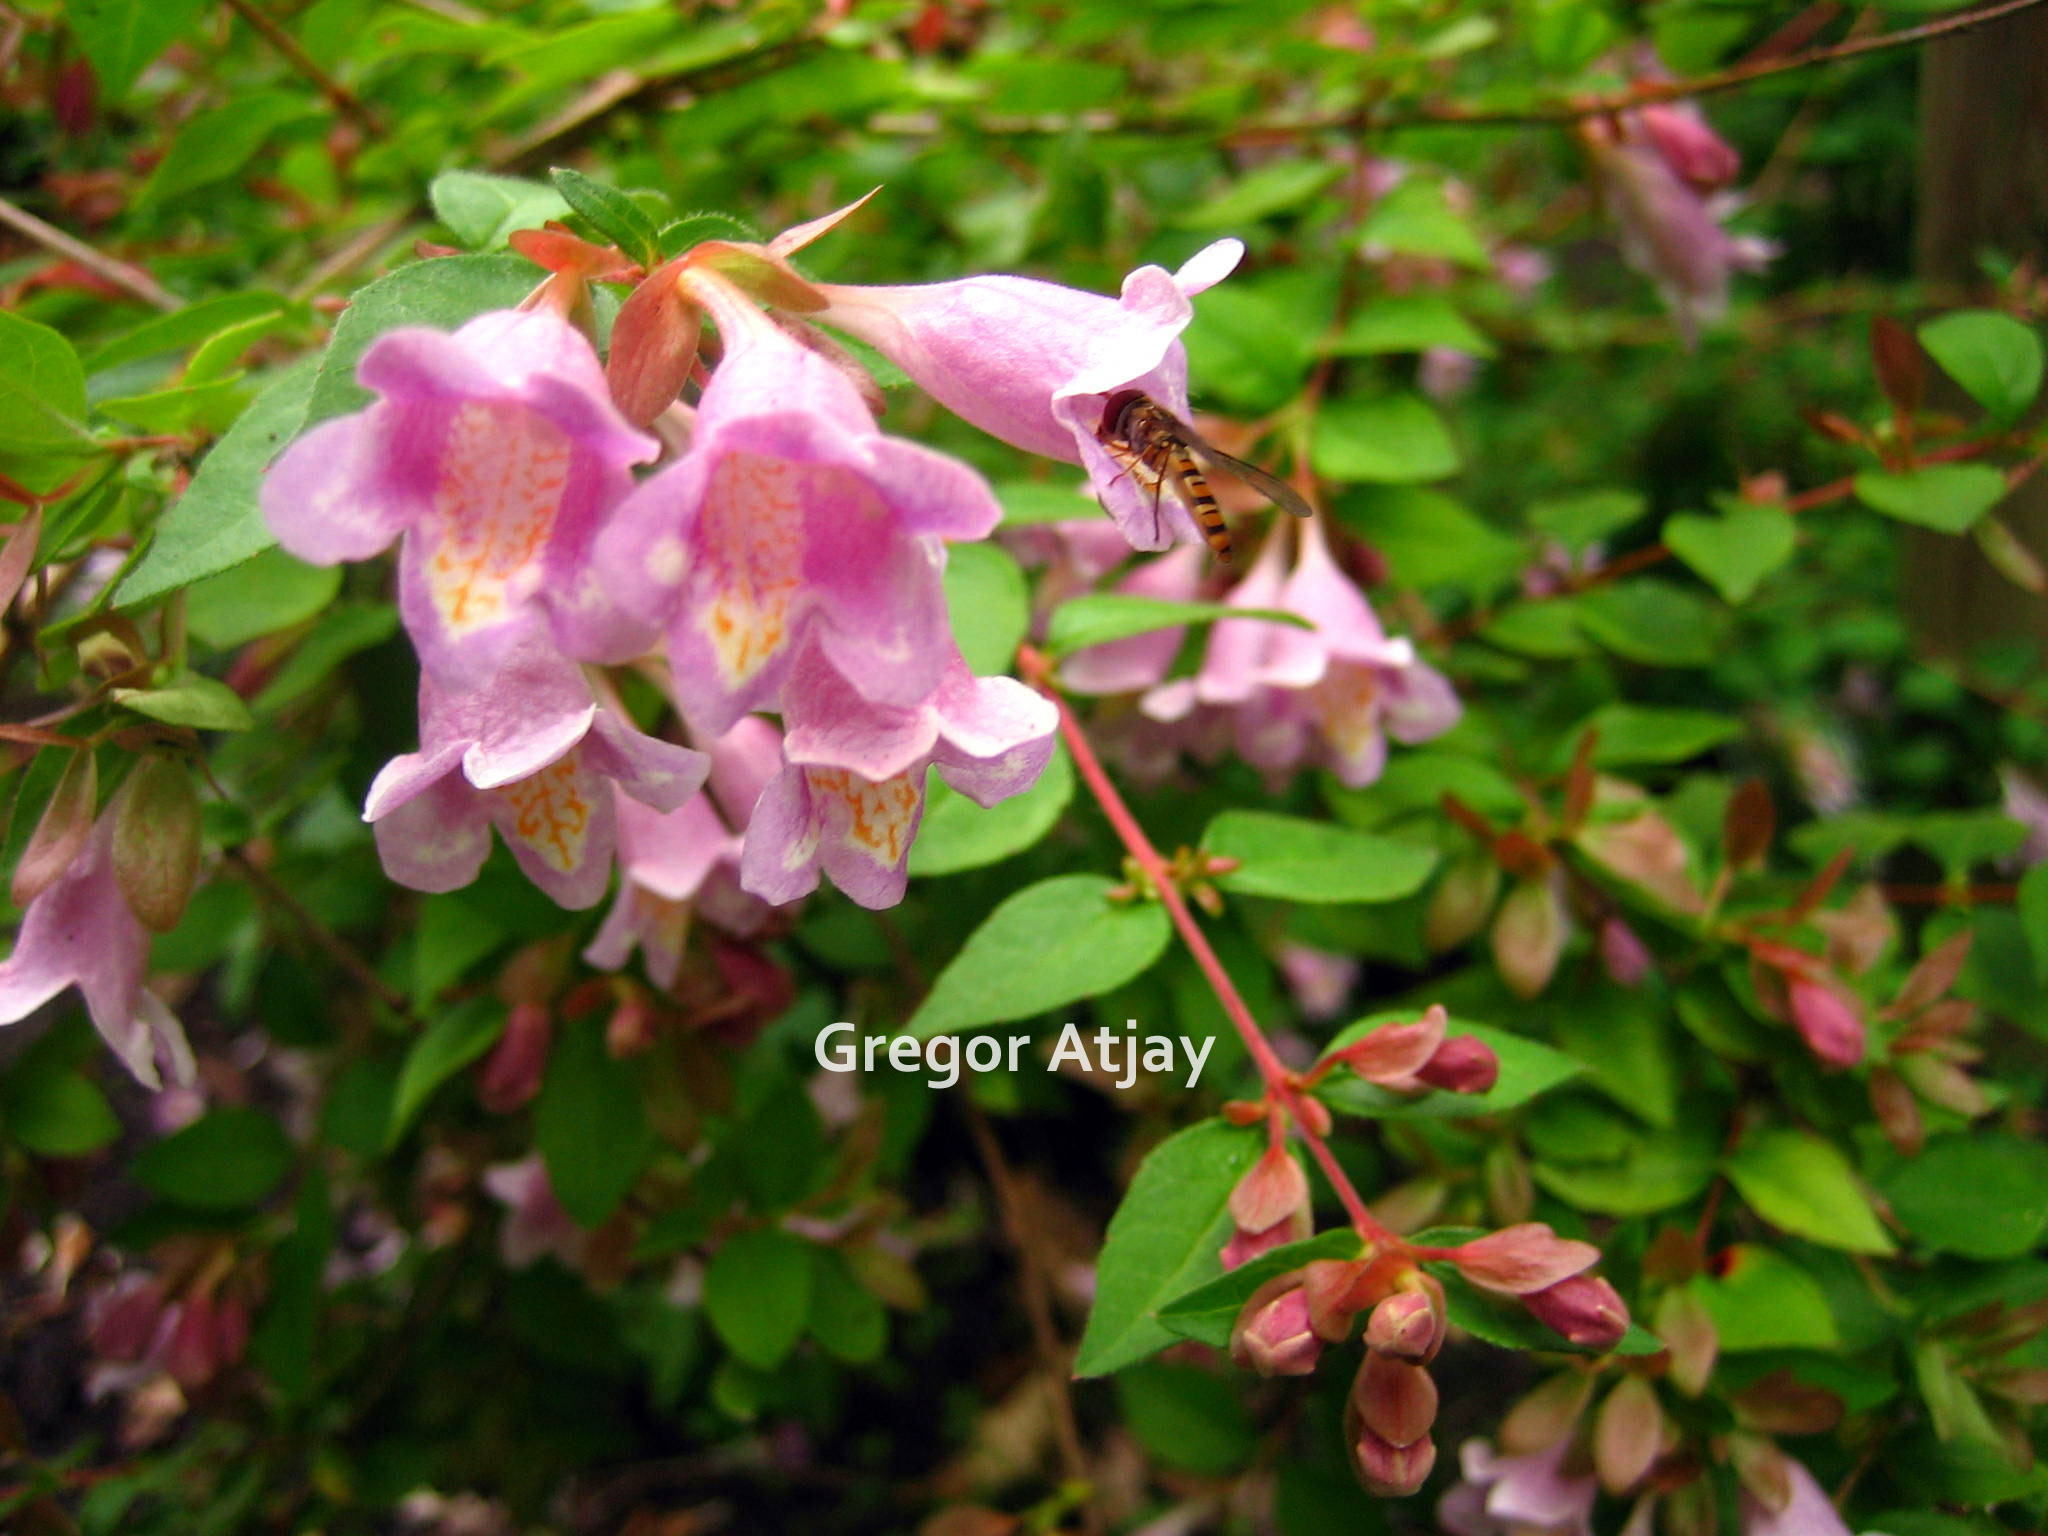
{"type": "Point", "coordinates": [1279, 1081]}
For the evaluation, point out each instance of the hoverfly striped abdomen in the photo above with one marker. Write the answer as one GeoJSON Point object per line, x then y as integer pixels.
{"type": "Point", "coordinates": [1154, 441]}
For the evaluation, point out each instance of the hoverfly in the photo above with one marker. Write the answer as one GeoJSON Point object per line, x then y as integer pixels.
{"type": "Point", "coordinates": [1151, 439]}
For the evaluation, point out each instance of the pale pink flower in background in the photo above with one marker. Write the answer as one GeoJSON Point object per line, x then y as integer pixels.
{"type": "Point", "coordinates": [1319, 982]}
{"type": "Point", "coordinates": [1445, 373]}
{"type": "Point", "coordinates": [851, 793]}
{"type": "Point", "coordinates": [2026, 803]}
{"type": "Point", "coordinates": [532, 754]}
{"type": "Point", "coordinates": [1808, 1511]}
{"type": "Point", "coordinates": [80, 932]}
{"type": "Point", "coordinates": [1141, 661]}
{"type": "Point", "coordinates": [491, 456]}
{"type": "Point", "coordinates": [791, 515]}
{"type": "Point", "coordinates": [1518, 1495]}
{"type": "Point", "coordinates": [1035, 363]}
{"type": "Point", "coordinates": [535, 1226]}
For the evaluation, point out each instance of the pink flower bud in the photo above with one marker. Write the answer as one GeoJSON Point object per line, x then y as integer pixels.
{"type": "Point", "coordinates": [1405, 1326]}
{"type": "Point", "coordinates": [1272, 1190]}
{"type": "Point", "coordinates": [1623, 954]}
{"type": "Point", "coordinates": [1465, 1064]}
{"type": "Point", "coordinates": [1458, 905]}
{"type": "Point", "coordinates": [1520, 1259]}
{"type": "Point", "coordinates": [1826, 1020]}
{"type": "Point", "coordinates": [512, 1072]}
{"type": "Point", "coordinates": [1584, 1310]}
{"type": "Point", "coordinates": [123, 1321]}
{"type": "Point", "coordinates": [1696, 154]}
{"type": "Point", "coordinates": [1627, 1433]}
{"type": "Point", "coordinates": [1272, 1334]}
{"type": "Point", "coordinates": [1245, 1246]}
{"type": "Point", "coordinates": [1528, 937]}
{"type": "Point", "coordinates": [1395, 1399]}
{"type": "Point", "coordinates": [1391, 1470]}
{"type": "Point", "coordinates": [207, 1336]}
{"type": "Point", "coordinates": [1392, 1054]}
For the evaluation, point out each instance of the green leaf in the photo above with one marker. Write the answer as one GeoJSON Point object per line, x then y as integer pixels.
{"type": "Point", "coordinates": [1187, 1417]}
{"type": "Point", "coordinates": [42, 389]}
{"type": "Point", "coordinates": [1248, 348]}
{"type": "Point", "coordinates": [614, 215]}
{"type": "Point", "coordinates": [1984, 1196]}
{"type": "Point", "coordinates": [1759, 1299]}
{"type": "Point", "coordinates": [1097, 618]}
{"type": "Point", "coordinates": [1948, 498]}
{"type": "Point", "coordinates": [123, 37]}
{"type": "Point", "coordinates": [1653, 622]}
{"type": "Point", "coordinates": [1804, 1186]}
{"type": "Point", "coordinates": [481, 211]}
{"type": "Point", "coordinates": [454, 1037]}
{"type": "Point", "coordinates": [1027, 502]}
{"type": "Point", "coordinates": [757, 1293]}
{"type": "Point", "coordinates": [1655, 1172]}
{"type": "Point", "coordinates": [1268, 189]}
{"type": "Point", "coordinates": [1738, 549]}
{"type": "Point", "coordinates": [1527, 1068]}
{"type": "Point", "coordinates": [1207, 1312]}
{"type": "Point", "coordinates": [1428, 538]}
{"type": "Point", "coordinates": [1166, 1238]}
{"type": "Point", "coordinates": [442, 294]}
{"type": "Point", "coordinates": [217, 523]}
{"type": "Point", "coordinates": [53, 1109]}
{"type": "Point", "coordinates": [213, 145]}
{"type": "Point", "coordinates": [1548, 631]}
{"type": "Point", "coordinates": [1994, 357]}
{"type": "Point", "coordinates": [1408, 322]}
{"type": "Point", "coordinates": [846, 1318]}
{"type": "Point", "coordinates": [1047, 945]}
{"type": "Point", "coordinates": [1390, 439]}
{"type": "Point", "coordinates": [273, 591]}
{"type": "Point", "coordinates": [678, 235]}
{"type": "Point", "coordinates": [2033, 913]}
{"type": "Point", "coordinates": [196, 702]}
{"type": "Point", "coordinates": [590, 1124]}
{"type": "Point", "coordinates": [1300, 860]}
{"type": "Point", "coordinates": [286, 1339]}
{"type": "Point", "coordinates": [227, 1160]}
{"type": "Point", "coordinates": [986, 601]}
{"type": "Point", "coordinates": [957, 834]}
{"type": "Point", "coordinates": [1585, 517]}
{"type": "Point", "coordinates": [184, 328]}
{"type": "Point", "coordinates": [1634, 735]}
{"type": "Point", "coordinates": [1415, 219]}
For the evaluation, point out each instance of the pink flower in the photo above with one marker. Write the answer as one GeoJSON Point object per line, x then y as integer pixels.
{"type": "Point", "coordinates": [80, 932]}
{"type": "Point", "coordinates": [1653, 166]}
{"type": "Point", "coordinates": [677, 863]}
{"type": "Point", "coordinates": [1034, 363]}
{"type": "Point", "coordinates": [791, 515]}
{"type": "Point", "coordinates": [1808, 1512]}
{"type": "Point", "coordinates": [1139, 662]}
{"type": "Point", "coordinates": [1826, 1020]}
{"type": "Point", "coordinates": [1499, 1495]}
{"type": "Point", "coordinates": [1329, 696]}
{"type": "Point", "coordinates": [491, 456]}
{"type": "Point", "coordinates": [532, 754]}
{"type": "Point", "coordinates": [1319, 982]}
{"type": "Point", "coordinates": [851, 793]}
{"type": "Point", "coordinates": [535, 1224]}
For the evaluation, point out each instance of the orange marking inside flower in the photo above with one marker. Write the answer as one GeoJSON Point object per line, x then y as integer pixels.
{"type": "Point", "coordinates": [550, 812]}
{"type": "Point", "coordinates": [878, 816]}
{"type": "Point", "coordinates": [1346, 701]}
{"type": "Point", "coordinates": [751, 534]}
{"type": "Point", "coordinates": [503, 473]}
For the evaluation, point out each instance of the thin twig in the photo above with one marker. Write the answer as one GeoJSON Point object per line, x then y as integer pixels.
{"type": "Point", "coordinates": [1278, 1080]}
{"type": "Point", "coordinates": [323, 936]}
{"type": "Point", "coordinates": [1036, 1287]}
{"type": "Point", "coordinates": [344, 100]}
{"type": "Point", "coordinates": [129, 279]}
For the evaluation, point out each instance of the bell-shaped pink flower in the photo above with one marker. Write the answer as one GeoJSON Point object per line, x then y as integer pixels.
{"type": "Point", "coordinates": [491, 455]}
{"type": "Point", "coordinates": [790, 515]}
{"type": "Point", "coordinates": [532, 754]}
{"type": "Point", "coordinates": [1807, 1511]}
{"type": "Point", "coordinates": [79, 931]}
{"type": "Point", "coordinates": [851, 793]}
{"type": "Point", "coordinates": [1329, 696]}
{"type": "Point", "coordinates": [1034, 363]}
{"type": "Point", "coordinates": [535, 1224]}
{"type": "Point", "coordinates": [1826, 1019]}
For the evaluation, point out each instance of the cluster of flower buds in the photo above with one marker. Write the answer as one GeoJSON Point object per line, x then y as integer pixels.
{"type": "Point", "coordinates": [95, 887]}
{"type": "Point", "coordinates": [1665, 174]}
{"type": "Point", "coordinates": [143, 1326]}
{"type": "Point", "coordinates": [1286, 1324]}
{"type": "Point", "coordinates": [784, 557]}
{"type": "Point", "coordinates": [1281, 697]}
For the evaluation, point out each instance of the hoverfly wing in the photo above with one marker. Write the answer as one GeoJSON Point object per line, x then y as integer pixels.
{"type": "Point", "coordinates": [1274, 489]}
